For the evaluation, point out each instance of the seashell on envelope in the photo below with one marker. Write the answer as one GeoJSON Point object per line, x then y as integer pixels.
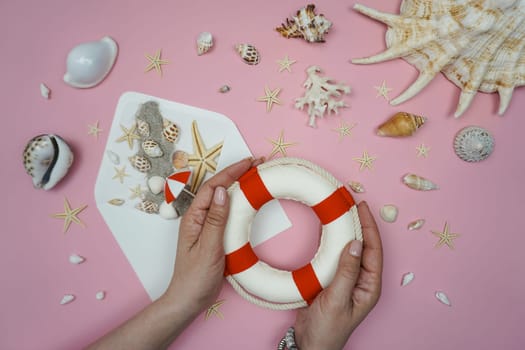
{"type": "Point", "coordinates": [478, 45]}
{"type": "Point", "coordinates": [306, 24]}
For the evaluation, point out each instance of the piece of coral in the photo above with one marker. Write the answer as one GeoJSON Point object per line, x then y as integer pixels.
{"type": "Point", "coordinates": [478, 44]}
{"type": "Point", "coordinates": [321, 95]}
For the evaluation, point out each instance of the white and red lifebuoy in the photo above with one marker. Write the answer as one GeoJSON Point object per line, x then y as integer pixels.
{"type": "Point", "coordinates": [299, 180]}
{"type": "Point", "coordinates": [174, 185]}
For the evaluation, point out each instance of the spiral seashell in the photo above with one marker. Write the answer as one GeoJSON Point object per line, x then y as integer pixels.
{"type": "Point", "coordinates": [47, 159]}
{"type": "Point", "coordinates": [473, 144]}
{"type": "Point", "coordinates": [306, 24]}
{"type": "Point", "coordinates": [389, 213]}
{"type": "Point", "coordinates": [140, 163]}
{"type": "Point", "coordinates": [179, 159]}
{"type": "Point", "coordinates": [152, 149]}
{"type": "Point", "coordinates": [204, 42]}
{"type": "Point", "coordinates": [416, 224]}
{"type": "Point", "coordinates": [143, 128]}
{"type": "Point", "coordinates": [148, 207]}
{"type": "Point", "coordinates": [400, 125]}
{"type": "Point", "coordinates": [248, 53]}
{"type": "Point", "coordinates": [170, 131]}
{"type": "Point", "coordinates": [419, 183]}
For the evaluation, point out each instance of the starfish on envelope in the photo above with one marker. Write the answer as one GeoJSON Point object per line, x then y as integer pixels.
{"type": "Point", "coordinates": [148, 241]}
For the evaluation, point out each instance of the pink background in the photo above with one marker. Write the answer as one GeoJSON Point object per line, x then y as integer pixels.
{"type": "Point", "coordinates": [483, 202]}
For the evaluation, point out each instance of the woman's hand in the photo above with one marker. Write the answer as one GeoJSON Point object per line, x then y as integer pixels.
{"type": "Point", "coordinates": [335, 313]}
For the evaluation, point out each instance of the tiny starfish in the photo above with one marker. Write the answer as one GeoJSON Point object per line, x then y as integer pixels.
{"type": "Point", "coordinates": [344, 129]}
{"type": "Point", "coordinates": [129, 135]}
{"type": "Point", "coordinates": [120, 174]}
{"type": "Point", "coordinates": [285, 63]}
{"type": "Point", "coordinates": [70, 215]}
{"type": "Point", "coordinates": [94, 130]}
{"type": "Point", "coordinates": [214, 310]}
{"type": "Point", "coordinates": [383, 91]}
{"type": "Point", "coordinates": [365, 161]}
{"type": "Point", "coordinates": [155, 62]}
{"type": "Point", "coordinates": [136, 192]}
{"type": "Point", "coordinates": [445, 237]}
{"type": "Point", "coordinates": [203, 160]}
{"type": "Point", "coordinates": [270, 98]}
{"type": "Point", "coordinates": [279, 146]}
{"type": "Point", "coordinates": [422, 150]}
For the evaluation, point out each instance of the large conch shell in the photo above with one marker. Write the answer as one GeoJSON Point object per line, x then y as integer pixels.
{"type": "Point", "coordinates": [401, 124]}
{"type": "Point", "coordinates": [477, 44]}
{"type": "Point", "coordinates": [306, 24]}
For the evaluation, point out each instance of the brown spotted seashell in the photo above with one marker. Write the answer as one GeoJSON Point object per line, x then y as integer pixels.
{"type": "Point", "coordinates": [152, 149]}
{"type": "Point", "coordinates": [400, 125]}
{"type": "Point", "coordinates": [248, 53]}
{"type": "Point", "coordinates": [142, 128]}
{"type": "Point", "coordinates": [140, 163]}
{"type": "Point", "coordinates": [179, 159]}
{"type": "Point", "coordinates": [148, 207]}
{"type": "Point", "coordinates": [171, 131]}
{"type": "Point", "coordinates": [306, 24]}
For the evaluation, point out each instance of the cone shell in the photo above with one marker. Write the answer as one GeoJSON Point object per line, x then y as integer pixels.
{"type": "Point", "coordinates": [473, 144]}
{"type": "Point", "coordinates": [152, 149]}
{"type": "Point", "coordinates": [204, 42]}
{"type": "Point", "coordinates": [179, 160]}
{"type": "Point", "coordinates": [143, 128]}
{"type": "Point", "coordinates": [401, 124]}
{"type": "Point", "coordinates": [306, 24]}
{"type": "Point", "coordinates": [140, 163]}
{"type": "Point", "coordinates": [170, 131]}
{"type": "Point", "coordinates": [248, 53]}
{"type": "Point", "coordinates": [148, 207]}
{"type": "Point", "coordinates": [419, 183]}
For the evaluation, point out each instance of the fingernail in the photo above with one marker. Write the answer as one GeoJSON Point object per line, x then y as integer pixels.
{"type": "Point", "coordinates": [356, 247]}
{"type": "Point", "coordinates": [219, 197]}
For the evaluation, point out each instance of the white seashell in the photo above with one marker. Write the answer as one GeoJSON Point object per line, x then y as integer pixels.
{"type": "Point", "coordinates": [419, 183]}
{"type": "Point", "coordinates": [142, 128]}
{"type": "Point", "coordinates": [89, 63]}
{"type": "Point", "coordinates": [389, 213]}
{"type": "Point", "coordinates": [248, 53]}
{"type": "Point", "coordinates": [156, 184]}
{"type": "Point", "coordinates": [148, 207]}
{"type": "Point", "coordinates": [204, 42]}
{"type": "Point", "coordinates": [416, 225]}
{"type": "Point", "coordinates": [478, 45]}
{"type": "Point", "coordinates": [225, 88]}
{"type": "Point", "coordinates": [140, 163]}
{"type": "Point", "coordinates": [76, 259]}
{"type": "Point", "coordinates": [66, 299]}
{"type": "Point", "coordinates": [355, 186]}
{"type": "Point", "coordinates": [100, 295]}
{"type": "Point", "coordinates": [44, 91]}
{"type": "Point", "coordinates": [407, 278]}
{"type": "Point", "coordinates": [116, 201]}
{"type": "Point", "coordinates": [473, 144]}
{"type": "Point", "coordinates": [442, 297]}
{"type": "Point", "coordinates": [307, 25]}
{"type": "Point", "coordinates": [113, 157]}
{"type": "Point", "coordinates": [152, 149]}
{"type": "Point", "coordinates": [167, 211]}
{"type": "Point", "coordinates": [47, 159]}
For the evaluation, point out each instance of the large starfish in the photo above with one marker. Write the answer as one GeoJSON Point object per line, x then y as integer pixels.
{"type": "Point", "coordinates": [70, 215]}
{"type": "Point", "coordinates": [129, 135]}
{"type": "Point", "coordinates": [203, 160]}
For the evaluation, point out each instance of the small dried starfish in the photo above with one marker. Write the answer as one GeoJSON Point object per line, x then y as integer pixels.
{"type": "Point", "coordinates": [155, 62]}
{"type": "Point", "coordinates": [270, 98]}
{"type": "Point", "coordinates": [383, 91]}
{"type": "Point", "coordinates": [120, 174]}
{"type": "Point", "coordinates": [279, 146]}
{"type": "Point", "coordinates": [422, 150]}
{"type": "Point", "coordinates": [94, 130]}
{"type": "Point", "coordinates": [129, 135]}
{"type": "Point", "coordinates": [214, 310]}
{"type": "Point", "coordinates": [344, 129]}
{"type": "Point", "coordinates": [70, 215]}
{"type": "Point", "coordinates": [365, 161]}
{"type": "Point", "coordinates": [285, 64]}
{"type": "Point", "coordinates": [445, 237]}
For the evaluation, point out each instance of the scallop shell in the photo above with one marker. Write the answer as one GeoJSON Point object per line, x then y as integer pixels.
{"type": "Point", "coordinates": [401, 124]}
{"type": "Point", "coordinates": [248, 53]}
{"type": "Point", "coordinates": [389, 213]}
{"type": "Point", "coordinates": [116, 201]}
{"type": "Point", "coordinates": [76, 259]}
{"type": "Point", "coordinates": [170, 131]}
{"type": "Point", "coordinates": [478, 45]}
{"type": "Point", "coordinates": [473, 144]}
{"type": "Point", "coordinates": [443, 298]}
{"type": "Point", "coordinates": [47, 159]}
{"type": "Point", "coordinates": [306, 24]}
{"type": "Point", "coordinates": [44, 91]}
{"type": "Point", "coordinates": [148, 207]}
{"type": "Point", "coordinates": [355, 186]}
{"type": "Point", "coordinates": [152, 149]}
{"type": "Point", "coordinates": [419, 183]}
{"type": "Point", "coordinates": [66, 299]}
{"type": "Point", "coordinates": [143, 128]}
{"type": "Point", "coordinates": [407, 278]}
{"type": "Point", "coordinates": [113, 157]}
{"type": "Point", "coordinates": [416, 224]}
{"type": "Point", "coordinates": [140, 163]}
{"type": "Point", "coordinates": [156, 184]}
{"type": "Point", "coordinates": [179, 159]}
{"type": "Point", "coordinates": [204, 42]}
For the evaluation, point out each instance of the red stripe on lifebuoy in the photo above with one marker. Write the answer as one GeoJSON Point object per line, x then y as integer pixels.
{"type": "Point", "coordinates": [335, 205]}
{"type": "Point", "coordinates": [240, 260]}
{"type": "Point", "coordinates": [254, 189]}
{"type": "Point", "coordinates": [307, 283]}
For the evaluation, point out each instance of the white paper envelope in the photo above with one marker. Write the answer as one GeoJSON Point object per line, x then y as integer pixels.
{"type": "Point", "coordinates": [149, 241]}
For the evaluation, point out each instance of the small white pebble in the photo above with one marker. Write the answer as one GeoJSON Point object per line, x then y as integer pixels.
{"type": "Point", "coordinates": [100, 295]}
{"type": "Point", "coordinates": [76, 259]}
{"type": "Point", "coordinates": [67, 298]}
{"type": "Point", "coordinates": [44, 91]}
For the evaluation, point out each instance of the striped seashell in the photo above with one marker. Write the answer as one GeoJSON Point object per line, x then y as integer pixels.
{"type": "Point", "coordinates": [152, 149]}
{"type": "Point", "coordinates": [148, 207]}
{"type": "Point", "coordinates": [142, 128]}
{"type": "Point", "coordinates": [248, 53]}
{"type": "Point", "coordinates": [170, 131]}
{"type": "Point", "coordinates": [140, 163]}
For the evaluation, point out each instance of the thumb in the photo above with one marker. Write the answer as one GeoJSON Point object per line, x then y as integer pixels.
{"type": "Point", "coordinates": [216, 218]}
{"type": "Point", "coordinates": [348, 270]}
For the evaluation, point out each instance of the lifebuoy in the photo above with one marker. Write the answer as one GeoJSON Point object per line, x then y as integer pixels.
{"type": "Point", "coordinates": [299, 180]}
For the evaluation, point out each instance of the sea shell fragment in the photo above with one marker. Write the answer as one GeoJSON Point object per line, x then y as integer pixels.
{"type": "Point", "coordinates": [44, 91]}
{"type": "Point", "coordinates": [401, 124]}
{"type": "Point", "coordinates": [248, 53]}
{"type": "Point", "coordinates": [113, 157]}
{"type": "Point", "coordinates": [152, 149]}
{"type": "Point", "coordinates": [355, 186]}
{"type": "Point", "coordinates": [76, 259]}
{"type": "Point", "coordinates": [416, 224]}
{"type": "Point", "coordinates": [170, 131]}
{"type": "Point", "coordinates": [116, 201]}
{"type": "Point", "coordinates": [306, 24]}
{"type": "Point", "coordinates": [204, 43]}
{"type": "Point", "coordinates": [225, 88]}
{"type": "Point", "coordinates": [473, 144]}
{"type": "Point", "coordinates": [443, 298]}
{"type": "Point", "coordinates": [143, 128]}
{"type": "Point", "coordinates": [101, 295]}
{"type": "Point", "coordinates": [156, 184]}
{"type": "Point", "coordinates": [140, 163]}
{"type": "Point", "coordinates": [419, 183]}
{"type": "Point", "coordinates": [148, 207]}
{"type": "Point", "coordinates": [389, 213]}
{"type": "Point", "coordinates": [66, 299]}
{"type": "Point", "coordinates": [47, 159]}
{"type": "Point", "coordinates": [179, 159]}
{"type": "Point", "coordinates": [407, 278]}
